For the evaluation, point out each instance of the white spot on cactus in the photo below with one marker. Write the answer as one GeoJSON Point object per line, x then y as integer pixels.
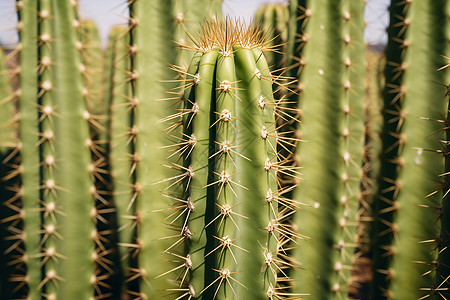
{"type": "Point", "coordinates": [342, 222]}
{"type": "Point", "coordinates": [336, 288]}
{"type": "Point", "coordinates": [418, 158]}
{"type": "Point", "coordinates": [316, 205]}
{"type": "Point", "coordinates": [47, 110]}
{"type": "Point", "coordinates": [267, 165]}
{"type": "Point", "coordinates": [45, 38]}
{"type": "Point", "coordinates": [346, 16]}
{"type": "Point", "coordinates": [197, 79]}
{"type": "Point", "coordinates": [82, 68]}
{"type": "Point", "coordinates": [264, 133]}
{"type": "Point", "coordinates": [179, 17]}
{"type": "Point", "coordinates": [269, 196]}
{"type": "Point", "coordinates": [46, 85]}
{"type": "Point", "coordinates": [76, 24]}
{"type": "Point", "coordinates": [225, 86]}
{"type": "Point", "coordinates": [347, 85]}
{"type": "Point", "coordinates": [344, 200]}
{"type": "Point", "coordinates": [48, 135]}
{"type": "Point", "coordinates": [258, 74]}
{"type": "Point", "coordinates": [44, 14]}
{"type": "Point", "coordinates": [345, 132]}
{"type": "Point", "coordinates": [347, 39]}
{"type": "Point", "coordinates": [46, 61]}
{"type": "Point", "coordinates": [322, 27]}
{"type": "Point", "coordinates": [225, 115]}
{"type": "Point", "coordinates": [338, 266]}
{"type": "Point", "coordinates": [347, 62]}
{"type": "Point", "coordinates": [224, 177]}
{"type": "Point", "coordinates": [320, 71]}
{"type": "Point", "coordinates": [261, 102]}
{"type": "Point", "coordinates": [79, 45]}
{"type": "Point", "coordinates": [86, 115]}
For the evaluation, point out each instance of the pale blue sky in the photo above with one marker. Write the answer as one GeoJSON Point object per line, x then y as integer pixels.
{"type": "Point", "coordinates": [107, 13]}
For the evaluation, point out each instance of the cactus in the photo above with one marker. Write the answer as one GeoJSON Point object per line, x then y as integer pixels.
{"type": "Point", "coordinates": [400, 263]}
{"type": "Point", "coordinates": [227, 243]}
{"type": "Point", "coordinates": [332, 105]}
{"type": "Point", "coordinates": [101, 164]}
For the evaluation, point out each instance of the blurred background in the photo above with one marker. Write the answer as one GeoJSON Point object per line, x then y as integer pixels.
{"type": "Point", "coordinates": [108, 13]}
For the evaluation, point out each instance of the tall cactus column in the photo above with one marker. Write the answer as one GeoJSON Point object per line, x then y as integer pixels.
{"type": "Point", "coordinates": [419, 167]}
{"type": "Point", "coordinates": [30, 159]}
{"type": "Point", "coordinates": [332, 121]}
{"type": "Point", "coordinates": [151, 38]}
{"type": "Point", "coordinates": [227, 246]}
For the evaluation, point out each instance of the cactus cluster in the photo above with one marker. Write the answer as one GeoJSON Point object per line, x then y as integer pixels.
{"type": "Point", "coordinates": [198, 157]}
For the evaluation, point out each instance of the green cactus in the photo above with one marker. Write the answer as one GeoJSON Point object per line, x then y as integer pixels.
{"type": "Point", "coordinates": [440, 288]}
{"type": "Point", "coordinates": [408, 171]}
{"type": "Point", "coordinates": [227, 243]}
{"type": "Point", "coordinates": [30, 158]}
{"type": "Point", "coordinates": [151, 25]}
{"type": "Point", "coordinates": [332, 116]}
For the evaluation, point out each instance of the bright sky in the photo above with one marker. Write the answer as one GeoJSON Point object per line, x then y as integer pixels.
{"type": "Point", "coordinates": [108, 13]}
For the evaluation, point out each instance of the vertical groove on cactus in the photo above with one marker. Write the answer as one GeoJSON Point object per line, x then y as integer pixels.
{"type": "Point", "coordinates": [392, 142]}
{"type": "Point", "coordinates": [122, 138]}
{"type": "Point", "coordinates": [420, 167]}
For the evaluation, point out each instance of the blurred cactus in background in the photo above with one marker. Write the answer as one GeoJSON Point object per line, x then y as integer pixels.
{"type": "Point", "coordinates": [198, 157]}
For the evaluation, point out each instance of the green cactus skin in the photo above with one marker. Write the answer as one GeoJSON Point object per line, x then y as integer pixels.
{"type": "Point", "coordinates": [121, 146]}
{"type": "Point", "coordinates": [352, 155]}
{"type": "Point", "coordinates": [73, 145]}
{"type": "Point", "coordinates": [331, 179]}
{"type": "Point", "coordinates": [405, 159]}
{"type": "Point", "coordinates": [420, 167]}
{"type": "Point", "coordinates": [151, 25]}
{"type": "Point", "coordinates": [228, 168]}
{"type": "Point", "coordinates": [46, 100]}
{"type": "Point", "coordinates": [30, 159]}
{"type": "Point", "coordinates": [442, 285]}
{"type": "Point", "coordinates": [442, 267]}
